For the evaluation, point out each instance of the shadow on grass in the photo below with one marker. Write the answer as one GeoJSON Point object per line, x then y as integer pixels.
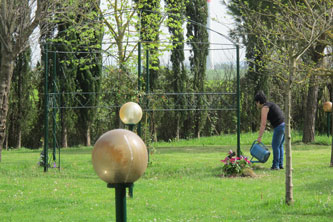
{"type": "Point", "coordinates": [323, 186]}
{"type": "Point", "coordinates": [317, 214]}
{"type": "Point", "coordinates": [194, 149]}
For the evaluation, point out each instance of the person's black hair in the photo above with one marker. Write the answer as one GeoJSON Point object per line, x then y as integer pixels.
{"type": "Point", "coordinates": [260, 97]}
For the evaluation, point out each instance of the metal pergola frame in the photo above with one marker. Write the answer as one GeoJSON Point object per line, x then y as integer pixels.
{"type": "Point", "coordinates": [148, 94]}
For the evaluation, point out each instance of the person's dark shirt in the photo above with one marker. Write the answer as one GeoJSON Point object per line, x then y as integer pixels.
{"type": "Point", "coordinates": [275, 114]}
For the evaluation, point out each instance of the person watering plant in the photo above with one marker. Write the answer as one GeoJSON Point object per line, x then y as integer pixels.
{"type": "Point", "coordinates": [272, 112]}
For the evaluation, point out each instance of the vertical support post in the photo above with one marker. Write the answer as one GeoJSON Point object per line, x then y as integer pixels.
{"type": "Point", "coordinates": [121, 211]}
{"type": "Point", "coordinates": [147, 87]}
{"type": "Point", "coordinates": [46, 111]}
{"type": "Point", "coordinates": [54, 111]}
{"type": "Point", "coordinates": [121, 204]}
{"type": "Point", "coordinates": [130, 188]}
{"type": "Point", "coordinates": [139, 66]}
{"type": "Point", "coordinates": [147, 72]}
{"type": "Point", "coordinates": [238, 102]}
{"type": "Point", "coordinates": [139, 80]}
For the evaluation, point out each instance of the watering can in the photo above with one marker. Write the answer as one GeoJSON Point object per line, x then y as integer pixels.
{"type": "Point", "coordinates": [260, 152]}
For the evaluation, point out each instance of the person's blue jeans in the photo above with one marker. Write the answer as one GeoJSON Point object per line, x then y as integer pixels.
{"type": "Point", "coordinates": [277, 146]}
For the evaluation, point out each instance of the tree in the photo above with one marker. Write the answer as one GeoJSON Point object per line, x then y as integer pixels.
{"type": "Point", "coordinates": [149, 24]}
{"type": "Point", "coordinates": [316, 54]}
{"type": "Point", "coordinates": [197, 11]}
{"type": "Point", "coordinates": [257, 77]}
{"type": "Point", "coordinates": [88, 76]}
{"type": "Point", "coordinates": [66, 75]}
{"type": "Point", "coordinates": [119, 19]}
{"type": "Point", "coordinates": [15, 30]}
{"type": "Point", "coordinates": [20, 103]}
{"type": "Point", "coordinates": [176, 11]}
{"type": "Point", "coordinates": [295, 26]}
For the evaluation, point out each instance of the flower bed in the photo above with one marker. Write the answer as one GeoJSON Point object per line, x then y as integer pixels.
{"type": "Point", "coordinates": [236, 166]}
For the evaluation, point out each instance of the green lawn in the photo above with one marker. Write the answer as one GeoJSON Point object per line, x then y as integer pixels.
{"type": "Point", "coordinates": [180, 184]}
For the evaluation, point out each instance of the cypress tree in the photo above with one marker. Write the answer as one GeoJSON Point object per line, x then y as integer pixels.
{"type": "Point", "coordinates": [89, 73]}
{"type": "Point", "coordinates": [197, 11]}
{"type": "Point", "coordinates": [176, 9]}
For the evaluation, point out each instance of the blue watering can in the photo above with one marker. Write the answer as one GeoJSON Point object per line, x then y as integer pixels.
{"type": "Point", "coordinates": [260, 152]}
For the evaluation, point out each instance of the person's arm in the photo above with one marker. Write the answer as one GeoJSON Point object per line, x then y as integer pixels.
{"type": "Point", "coordinates": [263, 121]}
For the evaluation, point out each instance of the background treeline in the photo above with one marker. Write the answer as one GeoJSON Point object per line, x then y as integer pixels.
{"type": "Point", "coordinates": [77, 54]}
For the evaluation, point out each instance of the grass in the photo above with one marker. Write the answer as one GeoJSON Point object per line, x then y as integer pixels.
{"type": "Point", "coordinates": [180, 184]}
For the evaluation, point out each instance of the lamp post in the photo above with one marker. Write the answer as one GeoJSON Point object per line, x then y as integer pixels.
{"type": "Point", "coordinates": [327, 107]}
{"type": "Point", "coordinates": [119, 158]}
{"type": "Point", "coordinates": [130, 114]}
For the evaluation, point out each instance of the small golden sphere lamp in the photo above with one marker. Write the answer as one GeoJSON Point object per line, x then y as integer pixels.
{"type": "Point", "coordinates": [130, 113]}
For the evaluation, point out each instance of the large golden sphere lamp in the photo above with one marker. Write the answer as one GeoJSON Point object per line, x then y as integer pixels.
{"type": "Point", "coordinates": [120, 158]}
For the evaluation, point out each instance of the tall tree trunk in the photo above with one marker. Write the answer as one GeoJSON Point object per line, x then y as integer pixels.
{"type": "Point", "coordinates": [332, 123]}
{"type": "Point", "coordinates": [64, 137]}
{"type": "Point", "coordinates": [332, 138]}
{"type": "Point", "coordinates": [19, 138]}
{"type": "Point", "coordinates": [88, 137]}
{"type": "Point", "coordinates": [311, 105]}
{"type": "Point", "coordinates": [153, 126]}
{"type": "Point", "coordinates": [6, 72]}
{"type": "Point", "coordinates": [310, 113]}
{"type": "Point", "coordinates": [20, 94]}
{"type": "Point", "coordinates": [178, 126]}
{"type": "Point", "coordinates": [289, 183]}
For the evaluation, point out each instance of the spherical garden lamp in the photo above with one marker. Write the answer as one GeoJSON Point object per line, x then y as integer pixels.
{"type": "Point", "coordinates": [119, 158]}
{"type": "Point", "coordinates": [130, 114]}
{"type": "Point", "coordinates": [327, 107]}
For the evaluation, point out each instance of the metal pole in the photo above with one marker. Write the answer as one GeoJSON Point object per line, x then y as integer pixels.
{"type": "Point", "coordinates": [121, 203]}
{"type": "Point", "coordinates": [54, 109]}
{"type": "Point", "coordinates": [139, 66]}
{"type": "Point", "coordinates": [147, 72]}
{"type": "Point", "coordinates": [120, 200]}
{"type": "Point", "coordinates": [148, 87]}
{"type": "Point", "coordinates": [130, 188]}
{"type": "Point", "coordinates": [139, 79]}
{"type": "Point", "coordinates": [46, 112]}
{"type": "Point", "coordinates": [238, 103]}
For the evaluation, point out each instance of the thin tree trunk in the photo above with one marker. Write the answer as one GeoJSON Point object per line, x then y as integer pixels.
{"type": "Point", "coordinates": [6, 141]}
{"type": "Point", "coordinates": [310, 113]}
{"type": "Point", "coordinates": [19, 122]}
{"type": "Point", "coordinates": [19, 138]}
{"type": "Point", "coordinates": [6, 72]}
{"type": "Point", "coordinates": [88, 137]}
{"type": "Point", "coordinates": [311, 105]}
{"type": "Point", "coordinates": [289, 184]}
{"type": "Point", "coordinates": [177, 127]}
{"type": "Point", "coordinates": [332, 123]}
{"type": "Point", "coordinates": [64, 133]}
{"type": "Point", "coordinates": [64, 140]}
{"type": "Point", "coordinates": [332, 138]}
{"type": "Point", "coordinates": [153, 126]}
